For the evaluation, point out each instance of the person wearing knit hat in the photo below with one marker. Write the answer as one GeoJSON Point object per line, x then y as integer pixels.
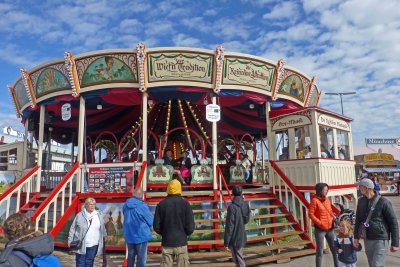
{"type": "Point", "coordinates": [174, 221]}
{"type": "Point", "coordinates": [174, 187]}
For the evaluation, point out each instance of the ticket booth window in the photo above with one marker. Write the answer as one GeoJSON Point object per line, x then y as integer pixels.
{"type": "Point", "coordinates": [327, 142]}
{"type": "Point", "coordinates": [302, 142]}
{"type": "Point", "coordinates": [282, 145]}
{"type": "Point", "coordinates": [343, 144]}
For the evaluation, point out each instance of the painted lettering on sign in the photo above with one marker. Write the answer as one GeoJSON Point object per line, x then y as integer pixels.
{"type": "Point", "coordinates": [380, 141]}
{"type": "Point", "coordinates": [378, 156]}
{"type": "Point", "coordinates": [290, 122]}
{"type": "Point", "coordinates": [333, 122]}
{"type": "Point", "coordinates": [249, 73]}
{"type": "Point", "coordinates": [171, 67]}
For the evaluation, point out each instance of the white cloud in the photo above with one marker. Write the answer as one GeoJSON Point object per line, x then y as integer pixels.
{"type": "Point", "coordinates": [184, 40]}
{"type": "Point", "coordinates": [285, 10]}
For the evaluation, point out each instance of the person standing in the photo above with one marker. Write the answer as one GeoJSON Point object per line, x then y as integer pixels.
{"type": "Point", "coordinates": [347, 252]}
{"type": "Point", "coordinates": [174, 221]}
{"type": "Point", "coordinates": [321, 214]}
{"type": "Point", "coordinates": [235, 233]}
{"type": "Point", "coordinates": [88, 226]}
{"type": "Point", "coordinates": [138, 221]}
{"type": "Point", "coordinates": [382, 224]}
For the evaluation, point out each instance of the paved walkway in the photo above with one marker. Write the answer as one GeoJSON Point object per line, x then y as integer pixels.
{"type": "Point", "coordinates": [392, 260]}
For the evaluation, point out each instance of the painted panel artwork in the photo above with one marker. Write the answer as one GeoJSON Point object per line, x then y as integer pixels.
{"type": "Point", "coordinates": [180, 66]}
{"type": "Point", "coordinates": [107, 69]}
{"type": "Point", "coordinates": [21, 94]}
{"type": "Point", "coordinates": [240, 71]}
{"type": "Point", "coordinates": [51, 80]}
{"type": "Point", "coordinates": [293, 86]}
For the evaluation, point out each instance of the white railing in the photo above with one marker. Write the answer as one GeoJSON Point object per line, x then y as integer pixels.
{"type": "Point", "coordinates": [25, 185]}
{"type": "Point", "coordinates": [64, 189]}
{"type": "Point", "coordinates": [291, 198]}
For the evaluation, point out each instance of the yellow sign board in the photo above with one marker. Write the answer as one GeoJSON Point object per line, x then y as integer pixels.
{"type": "Point", "coordinates": [378, 156]}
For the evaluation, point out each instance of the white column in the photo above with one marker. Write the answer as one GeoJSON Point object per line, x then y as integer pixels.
{"type": "Point", "coordinates": [144, 139]}
{"type": "Point", "coordinates": [214, 148]}
{"type": "Point", "coordinates": [314, 135]}
{"type": "Point", "coordinates": [335, 144]}
{"type": "Point", "coordinates": [350, 139]}
{"type": "Point", "coordinates": [25, 150]}
{"type": "Point", "coordinates": [271, 145]}
{"type": "Point", "coordinates": [40, 147]}
{"type": "Point", "coordinates": [270, 134]}
{"type": "Point", "coordinates": [292, 144]}
{"type": "Point", "coordinates": [81, 132]}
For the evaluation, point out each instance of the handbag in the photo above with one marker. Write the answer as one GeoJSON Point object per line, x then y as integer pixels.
{"type": "Point", "coordinates": [77, 244]}
{"type": "Point", "coordinates": [362, 229]}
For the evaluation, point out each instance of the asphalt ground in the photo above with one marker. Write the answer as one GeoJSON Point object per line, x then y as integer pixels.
{"type": "Point", "coordinates": [392, 259]}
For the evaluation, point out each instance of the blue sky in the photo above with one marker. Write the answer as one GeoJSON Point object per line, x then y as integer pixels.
{"type": "Point", "coordinates": [348, 45]}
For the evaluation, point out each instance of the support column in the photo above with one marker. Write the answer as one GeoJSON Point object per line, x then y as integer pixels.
{"type": "Point", "coordinates": [144, 140]}
{"type": "Point", "coordinates": [81, 131]}
{"type": "Point", "coordinates": [292, 144]}
{"type": "Point", "coordinates": [214, 149]}
{"type": "Point", "coordinates": [350, 140]}
{"type": "Point", "coordinates": [314, 135]}
{"type": "Point", "coordinates": [335, 144]}
{"type": "Point", "coordinates": [271, 144]}
{"type": "Point", "coordinates": [40, 147]}
{"type": "Point", "coordinates": [25, 150]}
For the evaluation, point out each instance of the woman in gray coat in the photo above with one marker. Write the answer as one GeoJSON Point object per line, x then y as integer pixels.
{"type": "Point", "coordinates": [89, 227]}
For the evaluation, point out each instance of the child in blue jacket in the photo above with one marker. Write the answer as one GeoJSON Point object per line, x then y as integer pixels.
{"type": "Point", "coordinates": [347, 252]}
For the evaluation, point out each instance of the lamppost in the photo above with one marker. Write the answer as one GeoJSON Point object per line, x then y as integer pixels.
{"type": "Point", "coordinates": [341, 94]}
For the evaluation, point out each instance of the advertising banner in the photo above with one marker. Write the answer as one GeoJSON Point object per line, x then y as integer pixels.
{"type": "Point", "coordinates": [110, 179]}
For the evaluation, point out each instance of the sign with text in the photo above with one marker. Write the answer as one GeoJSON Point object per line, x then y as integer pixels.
{"type": "Point", "coordinates": [246, 72]}
{"type": "Point", "coordinates": [333, 122]}
{"type": "Point", "coordinates": [378, 157]}
{"type": "Point", "coordinates": [66, 111]}
{"type": "Point", "coordinates": [180, 66]}
{"type": "Point", "coordinates": [213, 112]}
{"type": "Point", "coordinates": [110, 179]}
{"type": "Point", "coordinates": [382, 141]}
{"type": "Point", "coordinates": [290, 122]}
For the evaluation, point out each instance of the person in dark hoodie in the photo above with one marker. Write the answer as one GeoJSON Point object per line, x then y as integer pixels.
{"type": "Point", "coordinates": [174, 221]}
{"type": "Point", "coordinates": [24, 243]}
{"type": "Point", "coordinates": [138, 221]}
{"type": "Point", "coordinates": [322, 216]}
{"type": "Point", "coordinates": [235, 234]}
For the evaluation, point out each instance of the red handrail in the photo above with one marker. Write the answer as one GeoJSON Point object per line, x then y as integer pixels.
{"type": "Point", "coordinates": [290, 184]}
{"type": "Point", "coordinates": [224, 181]}
{"type": "Point", "coordinates": [60, 223]}
{"type": "Point", "coordinates": [141, 174]}
{"type": "Point", "coordinates": [19, 182]}
{"type": "Point", "coordinates": [55, 191]}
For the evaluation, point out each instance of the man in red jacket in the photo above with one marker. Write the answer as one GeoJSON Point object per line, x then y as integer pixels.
{"type": "Point", "coordinates": [321, 215]}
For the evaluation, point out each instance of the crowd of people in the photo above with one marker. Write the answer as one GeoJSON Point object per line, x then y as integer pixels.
{"type": "Point", "coordinates": [376, 224]}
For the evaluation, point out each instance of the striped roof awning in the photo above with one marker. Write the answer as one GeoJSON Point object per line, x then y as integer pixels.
{"type": "Point", "coordinates": [382, 169]}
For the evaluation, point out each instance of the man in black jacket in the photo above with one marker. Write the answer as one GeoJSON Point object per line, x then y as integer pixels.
{"type": "Point", "coordinates": [235, 233]}
{"type": "Point", "coordinates": [174, 221]}
{"type": "Point", "coordinates": [383, 225]}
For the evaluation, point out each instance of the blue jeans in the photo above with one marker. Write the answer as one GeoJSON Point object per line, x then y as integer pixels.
{"type": "Point", "coordinates": [139, 250]}
{"type": "Point", "coordinates": [86, 260]}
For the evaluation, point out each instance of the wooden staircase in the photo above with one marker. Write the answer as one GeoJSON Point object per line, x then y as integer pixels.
{"type": "Point", "coordinates": [272, 232]}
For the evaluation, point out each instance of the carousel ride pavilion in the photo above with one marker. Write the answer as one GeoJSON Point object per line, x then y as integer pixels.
{"type": "Point", "coordinates": [141, 117]}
